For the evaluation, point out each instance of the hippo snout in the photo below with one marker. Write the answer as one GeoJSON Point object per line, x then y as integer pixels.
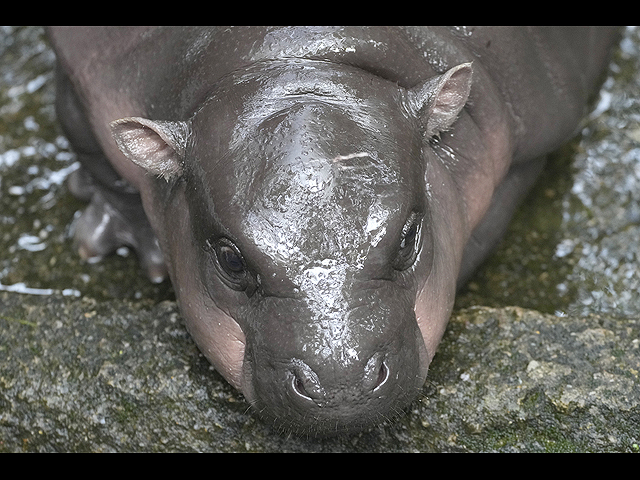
{"type": "Point", "coordinates": [321, 390]}
{"type": "Point", "coordinates": [306, 385]}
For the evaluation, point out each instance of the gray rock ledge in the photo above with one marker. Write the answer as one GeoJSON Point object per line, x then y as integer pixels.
{"type": "Point", "coordinates": [78, 375]}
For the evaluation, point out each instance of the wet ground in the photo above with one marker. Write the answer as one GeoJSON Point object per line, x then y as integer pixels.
{"type": "Point", "coordinates": [571, 252]}
{"type": "Point", "coordinates": [36, 209]}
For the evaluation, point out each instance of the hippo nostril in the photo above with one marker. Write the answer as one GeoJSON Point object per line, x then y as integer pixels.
{"type": "Point", "coordinates": [298, 387]}
{"type": "Point", "coordinates": [383, 374]}
{"type": "Point", "coordinates": [376, 373]}
{"type": "Point", "coordinates": [305, 383]}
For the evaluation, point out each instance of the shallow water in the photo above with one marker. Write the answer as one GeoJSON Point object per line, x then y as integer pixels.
{"type": "Point", "coordinates": [601, 213]}
{"type": "Point", "coordinates": [36, 209]}
{"type": "Point", "coordinates": [572, 248]}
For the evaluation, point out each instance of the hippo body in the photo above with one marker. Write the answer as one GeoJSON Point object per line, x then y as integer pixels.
{"type": "Point", "coordinates": [316, 194]}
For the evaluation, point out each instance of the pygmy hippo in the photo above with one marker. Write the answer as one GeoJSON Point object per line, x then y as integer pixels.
{"type": "Point", "coordinates": [315, 194]}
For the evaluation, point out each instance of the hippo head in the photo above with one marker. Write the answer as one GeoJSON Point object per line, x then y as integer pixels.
{"type": "Point", "coordinates": [312, 262]}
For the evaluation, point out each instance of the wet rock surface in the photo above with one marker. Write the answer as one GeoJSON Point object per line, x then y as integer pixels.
{"type": "Point", "coordinates": [94, 358]}
{"type": "Point", "coordinates": [81, 375]}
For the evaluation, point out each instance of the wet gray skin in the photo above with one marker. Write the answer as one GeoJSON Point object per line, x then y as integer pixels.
{"type": "Point", "coordinates": [317, 194]}
{"type": "Point", "coordinates": [326, 228]}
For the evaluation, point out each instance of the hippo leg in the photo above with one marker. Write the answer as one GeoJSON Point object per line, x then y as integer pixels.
{"type": "Point", "coordinates": [506, 198]}
{"type": "Point", "coordinates": [114, 217]}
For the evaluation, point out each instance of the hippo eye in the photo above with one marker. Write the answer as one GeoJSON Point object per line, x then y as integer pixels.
{"type": "Point", "coordinates": [409, 243]}
{"type": "Point", "coordinates": [230, 264]}
{"type": "Point", "coordinates": [230, 261]}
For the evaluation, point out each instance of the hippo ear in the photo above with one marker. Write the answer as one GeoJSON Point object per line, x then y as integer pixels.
{"type": "Point", "coordinates": [157, 146]}
{"type": "Point", "coordinates": [439, 100]}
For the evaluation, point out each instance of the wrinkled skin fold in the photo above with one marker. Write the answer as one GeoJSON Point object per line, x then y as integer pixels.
{"type": "Point", "coordinates": [315, 194]}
